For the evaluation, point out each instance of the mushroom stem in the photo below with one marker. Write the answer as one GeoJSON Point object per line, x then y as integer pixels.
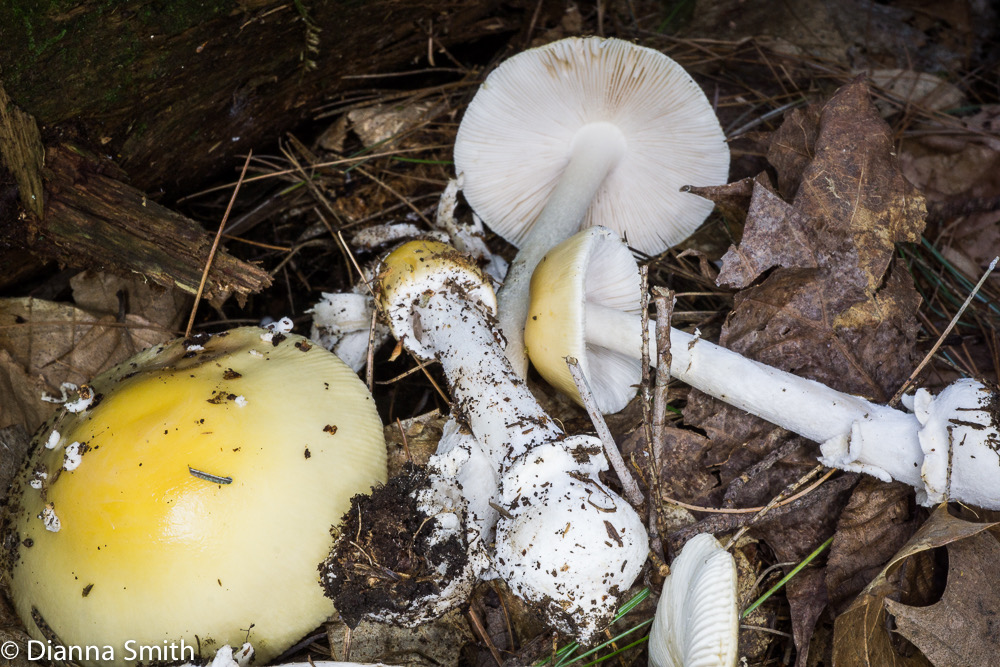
{"type": "Point", "coordinates": [806, 407]}
{"type": "Point", "coordinates": [946, 448]}
{"type": "Point", "coordinates": [565, 541]}
{"type": "Point", "coordinates": [597, 148]}
{"type": "Point", "coordinates": [495, 403]}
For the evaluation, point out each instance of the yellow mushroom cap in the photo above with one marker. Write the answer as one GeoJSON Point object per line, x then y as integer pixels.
{"type": "Point", "coordinates": [592, 270]}
{"type": "Point", "coordinates": [198, 501]}
{"type": "Point", "coordinates": [420, 268]}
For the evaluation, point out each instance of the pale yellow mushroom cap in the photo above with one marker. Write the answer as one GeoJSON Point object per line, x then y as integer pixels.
{"type": "Point", "coordinates": [211, 472]}
{"type": "Point", "coordinates": [592, 268]}
{"type": "Point", "coordinates": [420, 268]}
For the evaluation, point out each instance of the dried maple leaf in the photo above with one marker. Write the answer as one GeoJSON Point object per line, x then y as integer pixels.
{"type": "Point", "coordinates": [860, 635]}
{"type": "Point", "coordinates": [769, 217]}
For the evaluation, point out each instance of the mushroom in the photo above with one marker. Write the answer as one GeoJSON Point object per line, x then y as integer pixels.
{"type": "Point", "coordinates": [564, 540]}
{"type": "Point", "coordinates": [946, 448]}
{"type": "Point", "coordinates": [580, 132]}
{"type": "Point", "coordinates": [697, 620]}
{"type": "Point", "coordinates": [193, 498]}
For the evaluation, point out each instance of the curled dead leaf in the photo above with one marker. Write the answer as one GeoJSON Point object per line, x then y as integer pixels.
{"type": "Point", "coordinates": [860, 635]}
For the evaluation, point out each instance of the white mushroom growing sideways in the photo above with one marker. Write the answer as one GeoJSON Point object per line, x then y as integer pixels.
{"type": "Point", "coordinates": [586, 304]}
{"type": "Point", "coordinates": [564, 540]}
{"type": "Point", "coordinates": [581, 132]}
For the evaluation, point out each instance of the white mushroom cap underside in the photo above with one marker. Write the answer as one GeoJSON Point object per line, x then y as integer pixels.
{"type": "Point", "coordinates": [697, 622]}
{"type": "Point", "coordinates": [515, 137]}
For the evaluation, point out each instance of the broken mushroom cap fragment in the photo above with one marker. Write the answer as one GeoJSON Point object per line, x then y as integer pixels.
{"type": "Point", "coordinates": [193, 498]}
{"type": "Point", "coordinates": [581, 132]}
{"type": "Point", "coordinates": [697, 620]}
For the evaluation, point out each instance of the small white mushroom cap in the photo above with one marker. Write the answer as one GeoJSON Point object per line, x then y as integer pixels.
{"type": "Point", "coordinates": [519, 131]}
{"type": "Point", "coordinates": [697, 620]}
{"type": "Point", "coordinates": [210, 472]}
{"type": "Point", "coordinates": [960, 440]}
{"type": "Point", "coordinates": [566, 541]}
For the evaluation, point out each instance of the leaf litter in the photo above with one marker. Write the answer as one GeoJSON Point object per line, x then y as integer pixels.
{"type": "Point", "coordinates": [820, 288]}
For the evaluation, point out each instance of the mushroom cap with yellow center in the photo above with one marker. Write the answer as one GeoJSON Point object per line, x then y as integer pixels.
{"type": "Point", "coordinates": [193, 499]}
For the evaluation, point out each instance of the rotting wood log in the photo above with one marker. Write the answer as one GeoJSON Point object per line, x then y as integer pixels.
{"type": "Point", "coordinates": [173, 93]}
{"type": "Point", "coordinates": [92, 215]}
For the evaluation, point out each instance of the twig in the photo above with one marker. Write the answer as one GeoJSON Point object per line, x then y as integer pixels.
{"type": "Point", "coordinates": [632, 491]}
{"type": "Point", "coordinates": [664, 304]}
{"type": "Point", "coordinates": [944, 334]}
{"type": "Point", "coordinates": [652, 451]}
{"type": "Point", "coordinates": [752, 510]}
{"type": "Point", "coordinates": [215, 246]}
{"type": "Point", "coordinates": [791, 488]}
{"type": "Point", "coordinates": [477, 625]}
{"type": "Point", "coordinates": [663, 301]}
{"type": "Point", "coordinates": [721, 523]}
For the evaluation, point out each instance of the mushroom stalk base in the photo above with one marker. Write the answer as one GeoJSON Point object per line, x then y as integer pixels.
{"type": "Point", "coordinates": [596, 150]}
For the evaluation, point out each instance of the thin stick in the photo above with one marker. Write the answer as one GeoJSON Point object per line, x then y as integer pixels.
{"type": "Point", "coordinates": [751, 510]}
{"type": "Point", "coordinates": [944, 334]}
{"type": "Point", "coordinates": [370, 354]}
{"type": "Point", "coordinates": [215, 246]}
{"type": "Point", "coordinates": [477, 626]}
{"type": "Point", "coordinates": [776, 500]}
{"type": "Point", "coordinates": [664, 302]}
{"type": "Point", "coordinates": [652, 451]}
{"type": "Point", "coordinates": [632, 491]}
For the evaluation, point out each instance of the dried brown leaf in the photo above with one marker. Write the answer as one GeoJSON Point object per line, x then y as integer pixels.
{"type": "Point", "coordinates": [860, 635]}
{"type": "Point", "coordinates": [684, 473]}
{"type": "Point", "coordinates": [793, 147]}
{"type": "Point", "coordinates": [831, 306]}
{"type": "Point", "coordinates": [20, 391]}
{"type": "Point", "coordinates": [961, 629]}
{"type": "Point", "coordinates": [413, 440]}
{"type": "Point", "coordinates": [878, 520]}
{"type": "Point", "coordinates": [856, 191]}
{"type": "Point", "coordinates": [109, 294]}
{"type": "Point", "coordinates": [792, 539]}
{"type": "Point", "coordinates": [807, 599]}
{"type": "Point", "coordinates": [803, 321]}
{"type": "Point", "coordinates": [769, 218]}
{"type": "Point", "coordinates": [438, 642]}
{"type": "Point", "coordinates": [53, 343]}
{"type": "Point", "coordinates": [731, 199]}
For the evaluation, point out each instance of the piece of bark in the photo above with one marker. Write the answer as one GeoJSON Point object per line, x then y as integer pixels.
{"type": "Point", "coordinates": [21, 152]}
{"type": "Point", "coordinates": [93, 219]}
